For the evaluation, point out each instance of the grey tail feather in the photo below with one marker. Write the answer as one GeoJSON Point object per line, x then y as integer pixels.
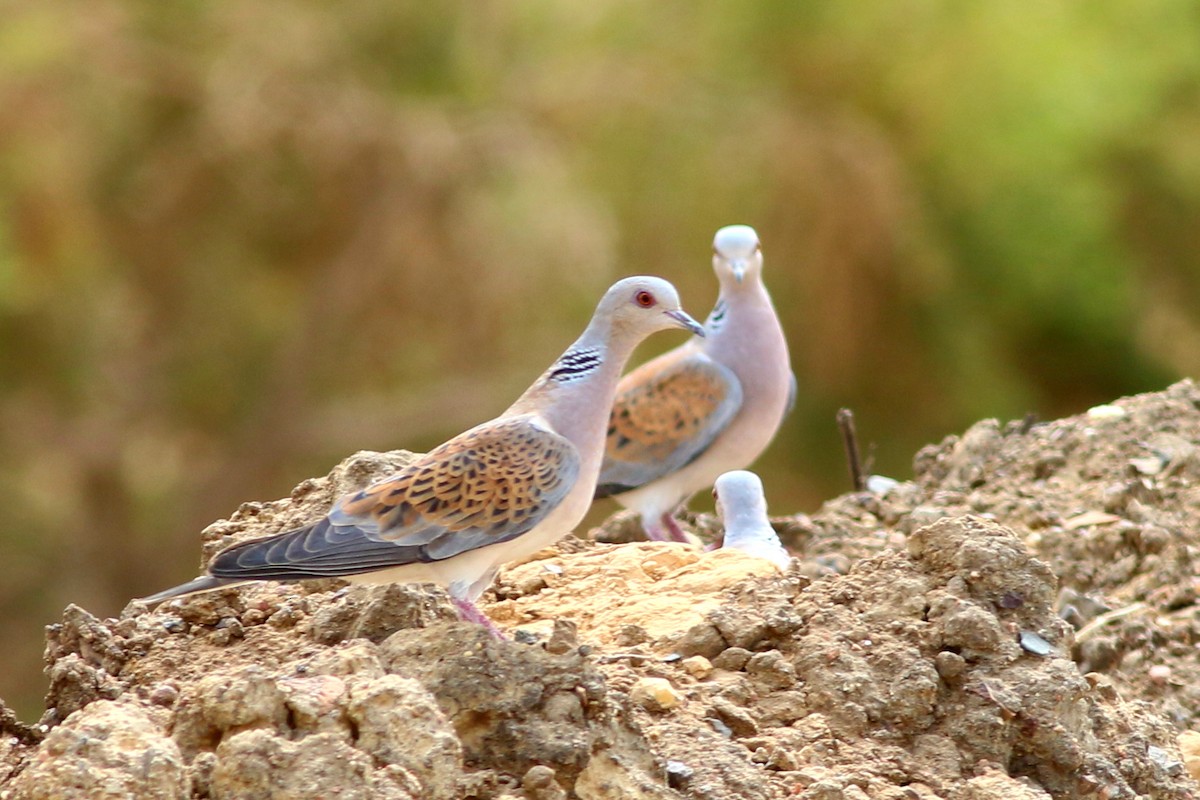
{"type": "Point", "coordinates": [205, 583]}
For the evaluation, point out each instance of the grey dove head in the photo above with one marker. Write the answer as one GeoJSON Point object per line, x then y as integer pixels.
{"type": "Point", "coordinates": [737, 254]}
{"type": "Point", "coordinates": [641, 305]}
{"type": "Point", "coordinates": [739, 494]}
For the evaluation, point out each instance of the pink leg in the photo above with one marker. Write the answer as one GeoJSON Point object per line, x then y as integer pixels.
{"type": "Point", "coordinates": [675, 533]}
{"type": "Point", "coordinates": [717, 543]}
{"type": "Point", "coordinates": [469, 612]}
{"type": "Point", "coordinates": [655, 532]}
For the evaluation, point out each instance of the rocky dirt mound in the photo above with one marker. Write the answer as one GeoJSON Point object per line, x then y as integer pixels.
{"type": "Point", "coordinates": [1110, 500]}
{"type": "Point", "coordinates": [1017, 622]}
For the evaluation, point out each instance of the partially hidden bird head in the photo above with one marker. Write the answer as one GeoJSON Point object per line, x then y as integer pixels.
{"type": "Point", "coordinates": [643, 304]}
{"type": "Point", "coordinates": [739, 493]}
{"type": "Point", "coordinates": [737, 254]}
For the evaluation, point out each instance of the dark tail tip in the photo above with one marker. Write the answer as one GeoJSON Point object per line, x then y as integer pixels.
{"type": "Point", "coordinates": [205, 583]}
{"type": "Point", "coordinates": [609, 489]}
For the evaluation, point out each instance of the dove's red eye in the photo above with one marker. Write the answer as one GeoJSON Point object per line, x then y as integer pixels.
{"type": "Point", "coordinates": [644, 299]}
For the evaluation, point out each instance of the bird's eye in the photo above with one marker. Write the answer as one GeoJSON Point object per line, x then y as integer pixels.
{"type": "Point", "coordinates": [714, 493]}
{"type": "Point", "coordinates": [757, 247]}
{"type": "Point", "coordinates": [644, 299]}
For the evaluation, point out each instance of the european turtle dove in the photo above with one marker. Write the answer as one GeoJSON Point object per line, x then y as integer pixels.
{"type": "Point", "coordinates": [500, 491]}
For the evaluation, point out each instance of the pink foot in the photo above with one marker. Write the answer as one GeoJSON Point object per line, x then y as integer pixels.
{"type": "Point", "coordinates": [469, 612]}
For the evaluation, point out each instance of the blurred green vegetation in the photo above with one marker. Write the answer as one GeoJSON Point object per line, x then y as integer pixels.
{"type": "Point", "coordinates": [240, 241]}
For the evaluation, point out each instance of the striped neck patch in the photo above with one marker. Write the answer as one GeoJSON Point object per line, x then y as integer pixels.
{"type": "Point", "coordinates": [576, 364]}
{"type": "Point", "coordinates": [717, 317]}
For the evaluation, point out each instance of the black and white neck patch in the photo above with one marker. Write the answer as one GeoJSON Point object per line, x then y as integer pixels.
{"type": "Point", "coordinates": [576, 364]}
{"type": "Point", "coordinates": [717, 317]}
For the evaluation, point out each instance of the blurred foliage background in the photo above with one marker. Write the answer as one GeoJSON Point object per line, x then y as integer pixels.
{"type": "Point", "coordinates": [241, 240]}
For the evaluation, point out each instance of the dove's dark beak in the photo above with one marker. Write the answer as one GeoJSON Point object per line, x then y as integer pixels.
{"type": "Point", "coordinates": [682, 320]}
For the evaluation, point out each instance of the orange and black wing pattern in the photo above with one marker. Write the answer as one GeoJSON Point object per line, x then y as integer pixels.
{"type": "Point", "coordinates": [667, 412]}
{"type": "Point", "coordinates": [488, 485]}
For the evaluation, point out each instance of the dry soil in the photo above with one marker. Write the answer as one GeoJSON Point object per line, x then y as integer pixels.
{"type": "Point", "coordinates": [1018, 621]}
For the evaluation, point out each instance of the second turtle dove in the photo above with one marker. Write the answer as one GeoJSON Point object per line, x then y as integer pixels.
{"type": "Point", "coordinates": [709, 406]}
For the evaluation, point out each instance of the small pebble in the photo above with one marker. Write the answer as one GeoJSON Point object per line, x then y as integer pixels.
{"type": "Point", "coordinates": [164, 694]}
{"type": "Point", "coordinates": [1162, 759]}
{"type": "Point", "coordinates": [698, 667]}
{"type": "Point", "coordinates": [881, 484]}
{"type": "Point", "coordinates": [629, 635]}
{"type": "Point", "coordinates": [539, 783]}
{"type": "Point", "coordinates": [732, 658]}
{"type": "Point", "coordinates": [1159, 674]}
{"type": "Point", "coordinates": [562, 637]}
{"type": "Point", "coordinates": [1010, 600]}
{"type": "Point", "coordinates": [1189, 747]}
{"type": "Point", "coordinates": [525, 636]}
{"type": "Point", "coordinates": [720, 727]}
{"type": "Point", "coordinates": [1106, 412]}
{"type": "Point", "coordinates": [655, 694]}
{"type": "Point", "coordinates": [227, 630]}
{"type": "Point", "coordinates": [1033, 643]}
{"type": "Point", "coordinates": [949, 665]}
{"type": "Point", "coordinates": [678, 774]}
{"type": "Point", "coordinates": [286, 617]}
{"type": "Point", "coordinates": [736, 718]}
{"type": "Point", "coordinates": [1149, 465]}
{"type": "Point", "coordinates": [701, 639]}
